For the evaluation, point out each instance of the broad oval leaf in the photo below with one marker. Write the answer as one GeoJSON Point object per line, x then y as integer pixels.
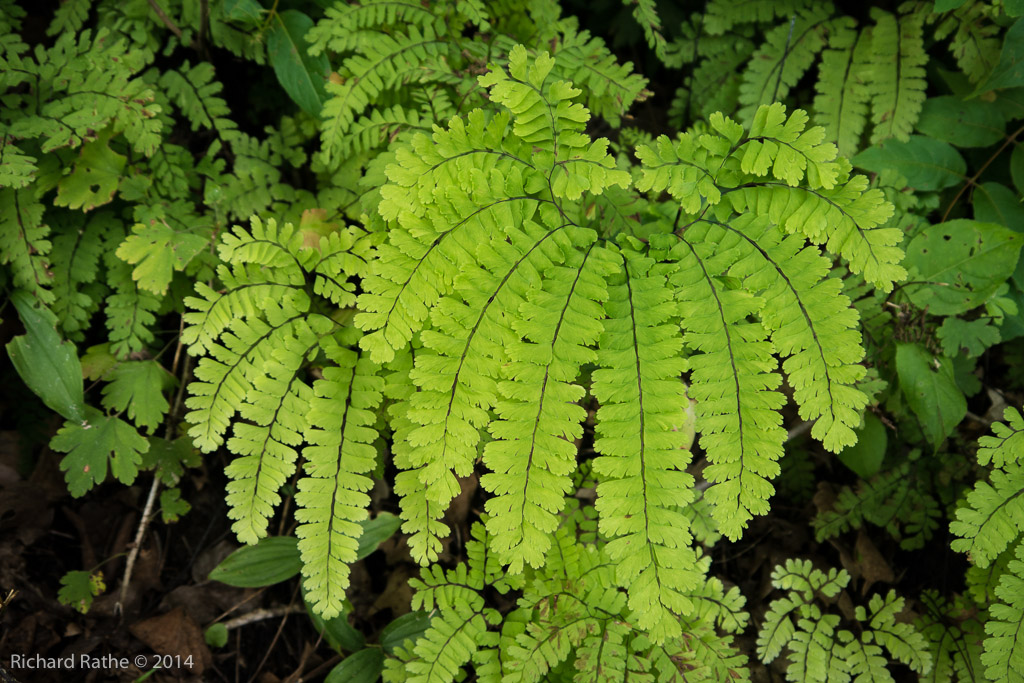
{"type": "Point", "coordinates": [970, 123]}
{"type": "Point", "coordinates": [1009, 72]}
{"type": "Point", "coordinates": [931, 391]}
{"type": "Point", "coordinates": [364, 666]}
{"type": "Point", "coordinates": [47, 364]}
{"type": "Point", "coordinates": [409, 626]}
{"type": "Point", "coordinates": [272, 560]}
{"type": "Point", "coordinates": [376, 531]}
{"type": "Point", "coordinates": [961, 264]}
{"type": "Point", "coordinates": [996, 203]}
{"type": "Point", "coordinates": [865, 457]}
{"type": "Point", "coordinates": [926, 163]}
{"type": "Point", "coordinates": [300, 74]}
{"type": "Point", "coordinates": [338, 633]}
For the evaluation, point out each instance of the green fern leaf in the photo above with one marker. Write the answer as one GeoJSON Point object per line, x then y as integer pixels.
{"type": "Point", "coordinates": [842, 88]}
{"type": "Point", "coordinates": [641, 471]}
{"type": "Point", "coordinates": [23, 243]}
{"type": "Point", "coordinates": [788, 51]}
{"type": "Point", "coordinates": [332, 497]}
{"type": "Point", "coordinates": [897, 78]}
{"type": "Point", "coordinates": [1003, 656]}
{"type": "Point", "coordinates": [992, 516]}
{"type": "Point", "coordinates": [533, 453]}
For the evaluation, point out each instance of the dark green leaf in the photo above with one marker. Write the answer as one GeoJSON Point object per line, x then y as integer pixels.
{"type": "Point", "coordinates": [1009, 72]}
{"type": "Point", "coordinates": [926, 163]}
{"type": "Point", "coordinates": [300, 74]}
{"type": "Point", "coordinates": [272, 560]}
{"type": "Point", "coordinates": [1017, 169]}
{"type": "Point", "coordinates": [376, 530]}
{"type": "Point", "coordinates": [931, 391]}
{"type": "Point", "coordinates": [338, 633]}
{"type": "Point", "coordinates": [970, 123]}
{"type": "Point", "coordinates": [48, 365]}
{"type": "Point", "coordinates": [966, 261]}
{"type": "Point", "coordinates": [93, 443]}
{"type": "Point", "coordinates": [364, 666]}
{"type": "Point", "coordinates": [948, 5]}
{"type": "Point", "coordinates": [243, 11]}
{"type": "Point", "coordinates": [996, 203]}
{"type": "Point", "coordinates": [1013, 8]}
{"type": "Point", "coordinates": [408, 626]}
{"type": "Point", "coordinates": [865, 457]}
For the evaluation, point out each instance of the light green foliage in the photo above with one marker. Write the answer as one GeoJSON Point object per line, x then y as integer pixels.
{"type": "Point", "coordinates": [993, 514]}
{"type": "Point", "coordinates": [436, 272]}
{"type": "Point", "coordinates": [989, 523]}
{"type": "Point", "coordinates": [819, 650]}
{"type": "Point", "coordinates": [570, 618]}
{"type": "Point", "coordinates": [506, 277]}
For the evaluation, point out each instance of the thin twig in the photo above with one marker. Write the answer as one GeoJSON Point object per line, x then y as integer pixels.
{"type": "Point", "coordinates": [147, 513]}
{"type": "Point", "coordinates": [799, 430]}
{"type": "Point", "coordinates": [262, 614]}
{"type": "Point", "coordinates": [973, 179]}
{"type": "Point", "coordinates": [137, 544]}
{"type": "Point", "coordinates": [168, 22]}
{"type": "Point", "coordinates": [277, 636]}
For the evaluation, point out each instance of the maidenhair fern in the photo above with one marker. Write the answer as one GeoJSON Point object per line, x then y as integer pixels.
{"type": "Point", "coordinates": [989, 524]}
{"type": "Point", "coordinates": [821, 651]}
{"type": "Point", "coordinates": [515, 270]}
{"type": "Point", "coordinates": [868, 78]}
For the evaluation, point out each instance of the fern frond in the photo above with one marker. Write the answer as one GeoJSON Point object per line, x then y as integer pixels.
{"type": "Point", "coordinates": [1003, 655]}
{"type": "Point", "coordinates": [610, 88]}
{"type": "Point", "coordinates": [23, 243]}
{"type": "Point", "coordinates": [641, 471]}
{"type": "Point", "coordinates": [195, 92]}
{"type": "Point", "coordinates": [131, 310]}
{"type": "Point", "coordinates": [460, 627]}
{"type": "Point", "coordinates": [79, 248]}
{"type": "Point", "coordinates": [418, 265]}
{"type": "Point", "coordinates": [898, 76]}
{"type": "Point", "coordinates": [976, 41]}
{"type": "Point", "coordinates": [545, 117]}
{"type": "Point", "coordinates": [332, 498]}
{"type": "Point", "coordinates": [383, 63]}
{"type": "Point", "coordinates": [788, 51]}
{"type": "Point", "coordinates": [276, 410]}
{"type": "Point", "coordinates": [731, 377]}
{"type": "Point", "coordinates": [723, 15]}
{"type": "Point", "coordinates": [843, 89]}
{"type": "Point", "coordinates": [345, 27]}
{"type": "Point", "coordinates": [815, 328]}
{"type": "Point", "coordinates": [646, 14]}
{"type": "Point", "coordinates": [1006, 446]}
{"type": "Point", "coordinates": [533, 453]}
{"type": "Point", "coordinates": [381, 127]}
{"type": "Point", "coordinates": [992, 516]}
{"type": "Point", "coordinates": [954, 634]}
{"type": "Point", "coordinates": [17, 169]}
{"type": "Point", "coordinates": [258, 264]}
